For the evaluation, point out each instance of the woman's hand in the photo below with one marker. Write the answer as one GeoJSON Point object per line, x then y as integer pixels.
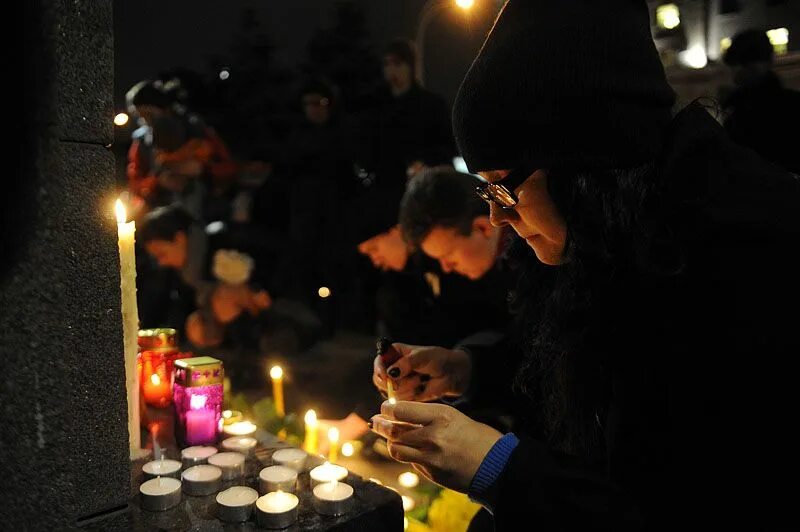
{"type": "Point", "coordinates": [448, 448]}
{"type": "Point", "coordinates": [425, 373]}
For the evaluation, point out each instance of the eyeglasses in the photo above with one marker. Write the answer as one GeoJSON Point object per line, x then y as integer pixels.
{"type": "Point", "coordinates": [502, 192]}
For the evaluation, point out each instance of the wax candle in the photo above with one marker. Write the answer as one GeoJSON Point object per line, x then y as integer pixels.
{"type": "Point", "coordinates": [291, 458]}
{"type": "Point", "coordinates": [276, 373]}
{"type": "Point", "coordinates": [277, 478]}
{"type": "Point", "coordinates": [160, 494]}
{"type": "Point", "coordinates": [156, 390]}
{"type": "Point", "coordinates": [126, 232]}
{"type": "Point", "coordinates": [333, 444]}
{"type": "Point", "coordinates": [158, 351]}
{"type": "Point", "coordinates": [192, 456]}
{"type": "Point", "coordinates": [201, 480]}
{"type": "Point", "coordinates": [240, 428]}
{"type": "Point", "coordinates": [201, 423]}
{"type": "Point", "coordinates": [277, 510]}
{"type": "Point", "coordinates": [312, 432]}
{"type": "Point", "coordinates": [327, 472]}
{"type": "Point", "coordinates": [231, 464]}
{"type": "Point", "coordinates": [332, 498]}
{"type": "Point", "coordinates": [162, 468]}
{"type": "Point", "coordinates": [235, 504]}
{"type": "Point", "coordinates": [245, 445]}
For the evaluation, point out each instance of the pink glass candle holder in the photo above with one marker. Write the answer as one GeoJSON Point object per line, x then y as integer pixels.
{"type": "Point", "coordinates": [198, 399]}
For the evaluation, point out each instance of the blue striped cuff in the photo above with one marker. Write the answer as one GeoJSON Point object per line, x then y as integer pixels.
{"type": "Point", "coordinates": [490, 469]}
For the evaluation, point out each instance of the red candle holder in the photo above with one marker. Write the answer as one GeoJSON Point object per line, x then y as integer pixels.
{"type": "Point", "coordinates": [197, 394]}
{"type": "Point", "coordinates": [158, 350]}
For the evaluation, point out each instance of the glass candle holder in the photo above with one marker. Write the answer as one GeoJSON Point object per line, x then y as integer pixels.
{"type": "Point", "coordinates": [158, 350]}
{"type": "Point", "coordinates": [198, 400]}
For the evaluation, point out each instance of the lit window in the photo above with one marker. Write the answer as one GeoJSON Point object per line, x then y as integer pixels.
{"type": "Point", "coordinates": [668, 16]}
{"type": "Point", "coordinates": [724, 44]}
{"type": "Point", "coordinates": [779, 37]}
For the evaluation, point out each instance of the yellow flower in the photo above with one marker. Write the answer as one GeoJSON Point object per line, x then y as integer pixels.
{"type": "Point", "coordinates": [451, 512]}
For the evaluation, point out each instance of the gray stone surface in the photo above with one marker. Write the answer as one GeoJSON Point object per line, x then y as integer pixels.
{"type": "Point", "coordinates": [82, 34]}
{"type": "Point", "coordinates": [64, 423]}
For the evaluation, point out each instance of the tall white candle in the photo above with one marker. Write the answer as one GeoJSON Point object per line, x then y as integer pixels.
{"type": "Point", "coordinates": [130, 322]}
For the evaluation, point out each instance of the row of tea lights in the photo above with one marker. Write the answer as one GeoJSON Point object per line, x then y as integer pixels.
{"type": "Point", "coordinates": [204, 469]}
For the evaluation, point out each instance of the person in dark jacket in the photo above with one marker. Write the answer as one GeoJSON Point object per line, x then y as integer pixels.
{"type": "Point", "coordinates": [409, 130]}
{"type": "Point", "coordinates": [659, 353]}
{"type": "Point", "coordinates": [761, 113]}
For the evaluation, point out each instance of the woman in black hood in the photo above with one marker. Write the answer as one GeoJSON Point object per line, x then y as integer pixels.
{"type": "Point", "coordinates": [662, 342]}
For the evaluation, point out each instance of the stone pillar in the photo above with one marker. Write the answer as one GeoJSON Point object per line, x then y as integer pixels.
{"type": "Point", "coordinates": [64, 458]}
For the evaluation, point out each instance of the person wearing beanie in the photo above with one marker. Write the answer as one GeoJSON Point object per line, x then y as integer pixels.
{"type": "Point", "coordinates": [760, 113]}
{"type": "Point", "coordinates": [658, 353]}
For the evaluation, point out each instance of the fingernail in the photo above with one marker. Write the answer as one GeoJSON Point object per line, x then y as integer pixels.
{"type": "Point", "coordinates": [394, 372]}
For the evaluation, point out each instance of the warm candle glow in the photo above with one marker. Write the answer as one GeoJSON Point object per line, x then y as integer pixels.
{"type": "Point", "coordinates": [119, 212]}
{"type": "Point", "coordinates": [324, 292]}
{"type": "Point", "coordinates": [333, 435]}
{"type": "Point", "coordinates": [197, 402]}
{"type": "Point", "coordinates": [333, 444]}
{"type": "Point", "coordinates": [240, 428]}
{"type": "Point", "coordinates": [408, 479]}
{"type": "Point", "coordinates": [465, 4]}
{"type": "Point", "coordinates": [276, 373]}
{"type": "Point", "coordinates": [155, 379]}
{"type": "Point", "coordinates": [120, 119]}
{"type": "Point", "coordinates": [311, 418]}
{"type": "Point", "coordinates": [408, 503]}
{"type": "Point", "coordinates": [348, 449]}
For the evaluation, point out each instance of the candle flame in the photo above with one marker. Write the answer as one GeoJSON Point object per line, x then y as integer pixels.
{"type": "Point", "coordinates": [333, 435]}
{"type": "Point", "coordinates": [408, 479]}
{"type": "Point", "coordinates": [155, 379]}
{"type": "Point", "coordinates": [197, 402]}
{"type": "Point", "coordinates": [119, 211]}
{"type": "Point", "coordinates": [311, 418]}
{"type": "Point", "coordinates": [276, 373]}
{"type": "Point", "coordinates": [348, 449]}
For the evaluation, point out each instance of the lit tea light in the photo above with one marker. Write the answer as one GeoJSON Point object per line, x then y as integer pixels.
{"type": "Point", "coordinates": [327, 472]}
{"type": "Point", "coordinates": [348, 449]}
{"type": "Point", "coordinates": [277, 509]}
{"type": "Point", "coordinates": [235, 504]}
{"type": "Point", "coordinates": [244, 444]}
{"type": "Point", "coordinates": [162, 468]}
{"type": "Point", "coordinates": [291, 458]}
{"type": "Point", "coordinates": [231, 464]}
{"type": "Point", "coordinates": [408, 503]}
{"type": "Point", "coordinates": [231, 416]}
{"type": "Point", "coordinates": [240, 428]}
{"type": "Point", "coordinates": [201, 480]}
{"type": "Point", "coordinates": [333, 444]}
{"type": "Point", "coordinates": [160, 494]}
{"type": "Point", "coordinates": [324, 292]}
{"type": "Point", "coordinates": [332, 498]}
{"type": "Point", "coordinates": [277, 478]}
{"type": "Point", "coordinates": [197, 455]}
{"type": "Point", "coordinates": [408, 479]}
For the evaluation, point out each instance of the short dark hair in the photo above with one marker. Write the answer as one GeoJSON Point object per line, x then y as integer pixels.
{"type": "Point", "coordinates": [164, 223]}
{"type": "Point", "coordinates": [750, 46]}
{"type": "Point", "coordinates": [404, 50]}
{"type": "Point", "coordinates": [439, 197]}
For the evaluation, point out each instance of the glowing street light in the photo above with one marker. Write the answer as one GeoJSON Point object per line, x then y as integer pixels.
{"type": "Point", "coordinates": [429, 11]}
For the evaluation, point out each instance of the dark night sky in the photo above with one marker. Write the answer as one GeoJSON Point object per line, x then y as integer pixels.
{"type": "Point", "coordinates": [151, 35]}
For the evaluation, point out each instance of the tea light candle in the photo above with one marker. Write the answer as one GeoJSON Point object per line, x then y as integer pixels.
{"type": "Point", "coordinates": [291, 458]}
{"type": "Point", "coordinates": [192, 456]}
{"type": "Point", "coordinates": [277, 509]}
{"type": "Point", "coordinates": [240, 428]}
{"type": "Point", "coordinates": [231, 416]}
{"type": "Point", "coordinates": [236, 504]}
{"type": "Point", "coordinates": [201, 480]}
{"type": "Point", "coordinates": [162, 468]}
{"type": "Point", "coordinates": [332, 498]}
{"type": "Point", "coordinates": [278, 478]}
{"type": "Point", "coordinates": [160, 494]}
{"type": "Point", "coordinates": [245, 445]}
{"type": "Point", "coordinates": [326, 473]}
{"type": "Point", "coordinates": [231, 464]}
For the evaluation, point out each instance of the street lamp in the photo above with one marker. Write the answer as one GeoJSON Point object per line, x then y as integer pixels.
{"type": "Point", "coordinates": [429, 11]}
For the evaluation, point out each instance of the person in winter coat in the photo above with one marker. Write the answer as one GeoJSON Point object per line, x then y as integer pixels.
{"type": "Point", "coordinates": [660, 353]}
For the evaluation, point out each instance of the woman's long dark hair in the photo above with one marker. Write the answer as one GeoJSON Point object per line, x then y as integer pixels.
{"type": "Point", "coordinates": [617, 232]}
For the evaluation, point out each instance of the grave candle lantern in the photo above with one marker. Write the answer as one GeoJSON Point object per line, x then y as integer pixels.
{"type": "Point", "coordinates": [158, 350]}
{"type": "Point", "coordinates": [198, 399]}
